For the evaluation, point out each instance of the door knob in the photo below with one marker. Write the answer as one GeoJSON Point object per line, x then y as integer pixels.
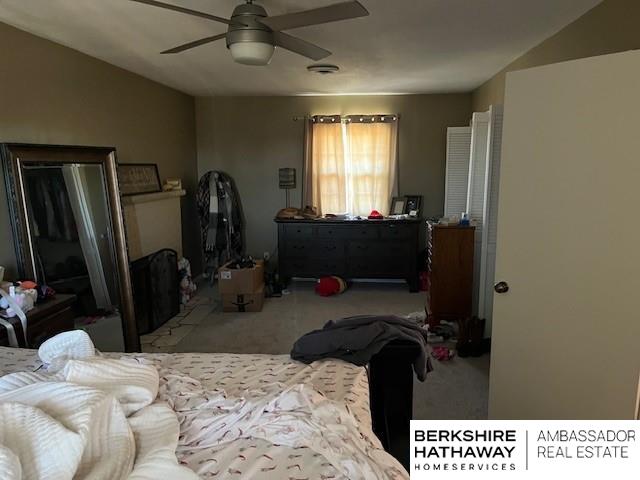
{"type": "Point", "coordinates": [501, 287]}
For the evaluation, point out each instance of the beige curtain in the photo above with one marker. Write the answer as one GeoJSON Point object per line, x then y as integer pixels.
{"type": "Point", "coordinates": [307, 167]}
{"type": "Point", "coordinates": [351, 163]}
{"type": "Point", "coordinates": [328, 173]}
{"type": "Point", "coordinates": [371, 170]}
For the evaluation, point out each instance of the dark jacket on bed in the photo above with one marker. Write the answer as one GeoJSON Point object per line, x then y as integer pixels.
{"type": "Point", "coordinates": [357, 339]}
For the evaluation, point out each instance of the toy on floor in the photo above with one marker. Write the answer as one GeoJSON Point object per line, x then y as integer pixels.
{"type": "Point", "coordinates": [332, 285]}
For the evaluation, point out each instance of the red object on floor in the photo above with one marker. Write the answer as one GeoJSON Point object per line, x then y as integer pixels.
{"type": "Point", "coordinates": [328, 286]}
{"type": "Point", "coordinates": [442, 353]}
{"type": "Point", "coordinates": [375, 215]}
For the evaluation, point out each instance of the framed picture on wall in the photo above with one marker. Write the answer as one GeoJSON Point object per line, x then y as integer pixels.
{"type": "Point", "coordinates": [413, 203]}
{"type": "Point", "coordinates": [137, 178]}
{"type": "Point", "coordinates": [397, 206]}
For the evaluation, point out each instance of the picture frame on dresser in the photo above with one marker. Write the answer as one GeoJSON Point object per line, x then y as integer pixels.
{"type": "Point", "coordinates": [397, 206]}
{"type": "Point", "coordinates": [413, 203]}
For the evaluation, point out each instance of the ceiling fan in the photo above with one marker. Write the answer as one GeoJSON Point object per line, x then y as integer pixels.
{"type": "Point", "coordinates": [252, 35]}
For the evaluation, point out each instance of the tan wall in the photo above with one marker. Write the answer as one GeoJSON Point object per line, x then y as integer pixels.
{"type": "Point", "coordinates": [251, 137]}
{"type": "Point", "coordinates": [54, 95]}
{"type": "Point", "coordinates": [610, 27]}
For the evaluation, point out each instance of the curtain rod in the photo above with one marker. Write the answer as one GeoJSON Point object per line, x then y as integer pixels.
{"type": "Point", "coordinates": [308, 117]}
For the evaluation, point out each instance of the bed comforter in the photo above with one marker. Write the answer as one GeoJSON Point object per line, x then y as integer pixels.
{"type": "Point", "coordinates": [277, 427]}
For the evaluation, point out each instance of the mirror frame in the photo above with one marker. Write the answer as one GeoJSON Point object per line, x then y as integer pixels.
{"type": "Point", "coordinates": [14, 156]}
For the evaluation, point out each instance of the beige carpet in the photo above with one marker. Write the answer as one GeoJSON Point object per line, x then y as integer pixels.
{"type": "Point", "coordinates": [456, 389]}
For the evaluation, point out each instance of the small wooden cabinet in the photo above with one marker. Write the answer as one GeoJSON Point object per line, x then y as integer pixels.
{"type": "Point", "coordinates": [350, 248]}
{"type": "Point", "coordinates": [44, 321]}
{"type": "Point", "coordinates": [449, 271]}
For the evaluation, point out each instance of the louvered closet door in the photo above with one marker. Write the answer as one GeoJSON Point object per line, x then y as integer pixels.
{"type": "Point", "coordinates": [477, 179]}
{"type": "Point", "coordinates": [490, 232]}
{"type": "Point", "coordinates": [457, 174]}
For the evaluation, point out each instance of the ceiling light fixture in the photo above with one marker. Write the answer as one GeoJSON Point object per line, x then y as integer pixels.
{"type": "Point", "coordinates": [323, 69]}
{"type": "Point", "coordinates": [250, 42]}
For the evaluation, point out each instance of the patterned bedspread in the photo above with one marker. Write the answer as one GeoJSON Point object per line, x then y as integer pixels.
{"type": "Point", "coordinates": [249, 458]}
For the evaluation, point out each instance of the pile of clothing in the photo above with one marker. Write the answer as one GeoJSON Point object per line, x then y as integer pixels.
{"type": "Point", "coordinates": [357, 339]}
{"type": "Point", "coordinates": [220, 220]}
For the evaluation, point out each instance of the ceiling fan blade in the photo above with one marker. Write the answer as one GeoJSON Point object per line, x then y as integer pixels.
{"type": "Point", "coordinates": [188, 11]}
{"type": "Point", "coordinates": [195, 43]}
{"type": "Point", "coordinates": [316, 16]}
{"type": "Point", "coordinates": [299, 46]}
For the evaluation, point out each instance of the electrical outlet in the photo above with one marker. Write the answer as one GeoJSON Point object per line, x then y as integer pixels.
{"type": "Point", "coordinates": [266, 256]}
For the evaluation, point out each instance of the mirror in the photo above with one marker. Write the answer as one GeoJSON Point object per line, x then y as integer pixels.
{"type": "Point", "coordinates": [69, 234]}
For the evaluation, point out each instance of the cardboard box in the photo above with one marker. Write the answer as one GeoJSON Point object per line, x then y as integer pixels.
{"type": "Point", "coordinates": [243, 302]}
{"type": "Point", "coordinates": [243, 280]}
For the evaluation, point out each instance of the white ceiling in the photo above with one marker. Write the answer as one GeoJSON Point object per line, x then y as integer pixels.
{"type": "Point", "coordinates": [404, 46]}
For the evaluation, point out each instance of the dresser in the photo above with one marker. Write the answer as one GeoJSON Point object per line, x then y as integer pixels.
{"type": "Point", "coordinates": [449, 271]}
{"type": "Point", "coordinates": [385, 249]}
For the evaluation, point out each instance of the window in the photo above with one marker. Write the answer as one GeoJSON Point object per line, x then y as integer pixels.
{"type": "Point", "coordinates": [351, 163]}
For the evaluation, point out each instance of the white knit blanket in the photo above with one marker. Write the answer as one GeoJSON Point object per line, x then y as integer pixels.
{"type": "Point", "coordinates": [91, 419]}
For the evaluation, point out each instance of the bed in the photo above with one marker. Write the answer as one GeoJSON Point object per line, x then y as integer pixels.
{"type": "Point", "coordinates": [255, 458]}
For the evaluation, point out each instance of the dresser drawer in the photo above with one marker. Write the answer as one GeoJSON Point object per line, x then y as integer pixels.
{"type": "Point", "coordinates": [363, 231]}
{"type": "Point", "coordinates": [329, 266]}
{"type": "Point", "coordinates": [380, 249]}
{"type": "Point", "coordinates": [294, 247]}
{"type": "Point", "coordinates": [364, 267]}
{"type": "Point", "coordinates": [395, 231]}
{"type": "Point", "coordinates": [324, 248]}
{"type": "Point", "coordinates": [399, 249]}
{"type": "Point", "coordinates": [363, 248]}
{"type": "Point", "coordinates": [332, 231]}
{"type": "Point", "coordinates": [314, 248]}
{"type": "Point", "coordinates": [298, 231]}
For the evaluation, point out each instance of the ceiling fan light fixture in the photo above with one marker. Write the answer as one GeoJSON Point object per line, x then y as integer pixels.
{"type": "Point", "coordinates": [252, 53]}
{"type": "Point", "coordinates": [252, 34]}
{"type": "Point", "coordinates": [250, 42]}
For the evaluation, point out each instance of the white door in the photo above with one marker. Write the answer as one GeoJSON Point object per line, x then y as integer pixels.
{"type": "Point", "coordinates": [566, 336]}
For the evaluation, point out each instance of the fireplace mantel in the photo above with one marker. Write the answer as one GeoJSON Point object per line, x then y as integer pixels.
{"type": "Point", "coordinates": [153, 222]}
